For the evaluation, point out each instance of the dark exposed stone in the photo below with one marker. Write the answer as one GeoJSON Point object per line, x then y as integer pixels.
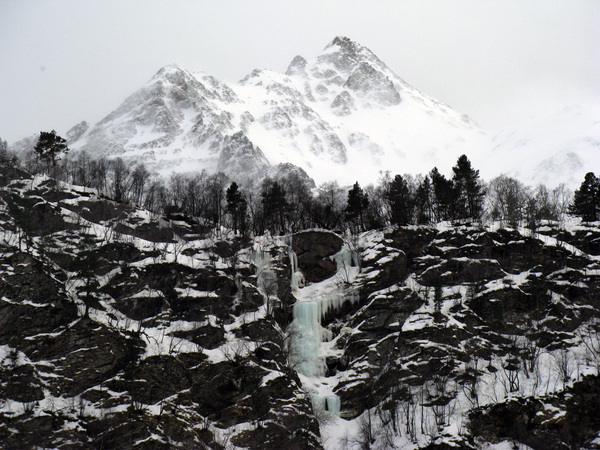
{"type": "Point", "coordinates": [23, 384]}
{"type": "Point", "coordinates": [206, 336]}
{"type": "Point", "coordinates": [458, 271]}
{"type": "Point", "coordinates": [84, 355]}
{"type": "Point", "coordinates": [540, 423]}
{"type": "Point", "coordinates": [314, 249]}
{"type": "Point", "coordinates": [158, 377]}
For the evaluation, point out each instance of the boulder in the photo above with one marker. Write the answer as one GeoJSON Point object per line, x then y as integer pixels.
{"type": "Point", "coordinates": [314, 249]}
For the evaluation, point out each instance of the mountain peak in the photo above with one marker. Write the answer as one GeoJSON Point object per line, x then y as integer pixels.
{"type": "Point", "coordinates": [347, 55]}
{"type": "Point", "coordinates": [345, 44]}
{"type": "Point", "coordinates": [350, 49]}
{"type": "Point", "coordinates": [297, 66]}
{"type": "Point", "coordinates": [171, 74]}
{"type": "Point", "coordinates": [167, 71]}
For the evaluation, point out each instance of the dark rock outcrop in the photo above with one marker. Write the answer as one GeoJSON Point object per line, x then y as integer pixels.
{"type": "Point", "coordinates": [314, 250]}
{"type": "Point", "coordinates": [114, 335]}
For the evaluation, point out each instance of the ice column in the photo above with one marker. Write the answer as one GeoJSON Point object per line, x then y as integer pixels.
{"type": "Point", "coordinates": [346, 258]}
{"type": "Point", "coordinates": [264, 274]}
{"type": "Point", "coordinates": [306, 333]}
{"type": "Point", "coordinates": [306, 339]}
{"type": "Point", "coordinates": [333, 404]}
{"type": "Point", "coordinates": [297, 278]}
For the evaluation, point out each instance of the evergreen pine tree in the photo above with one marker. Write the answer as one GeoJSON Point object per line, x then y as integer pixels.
{"type": "Point", "coordinates": [275, 206]}
{"type": "Point", "coordinates": [236, 207]}
{"type": "Point", "coordinates": [443, 190]}
{"type": "Point", "coordinates": [422, 202]}
{"type": "Point", "coordinates": [586, 201]}
{"type": "Point", "coordinates": [49, 146]}
{"type": "Point", "coordinates": [357, 204]}
{"type": "Point", "coordinates": [400, 202]}
{"type": "Point", "coordinates": [468, 190]}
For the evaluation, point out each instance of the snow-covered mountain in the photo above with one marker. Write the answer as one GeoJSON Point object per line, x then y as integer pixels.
{"type": "Point", "coordinates": [344, 115]}
{"type": "Point", "coordinates": [557, 147]}
{"type": "Point", "coordinates": [177, 121]}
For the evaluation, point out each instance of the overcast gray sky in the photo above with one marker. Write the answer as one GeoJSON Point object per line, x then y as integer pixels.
{"type": "Point", "coordinates": [66, 61]}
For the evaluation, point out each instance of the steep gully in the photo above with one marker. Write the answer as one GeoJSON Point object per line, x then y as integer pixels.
{"type": "Point", "coordinates": [308, 342]}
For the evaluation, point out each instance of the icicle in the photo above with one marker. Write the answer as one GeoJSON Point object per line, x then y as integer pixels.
{"type": "Point", "coordinates": [335, 299]}
{"type": "Point", "coordinates": [333, 404]}
{"type": "Point", "coordinates": [307, 338]}
{"type": "Point", "coordinates": [356, 259]}
{"type": "Point", "coordinates": [297, 278]}
{"type": "Point", "coordinates": [293, 260]}
{"type": "Point", "coordinates": [319, 403]}
{"type": "Point", "coordinates": [343, 258]}
{"type": "Point", "coordinates": [347, 262]}
{"type": "Point", "coordinates": [266, 279]}
{"type": "Point", "coordinates": [260, 259]}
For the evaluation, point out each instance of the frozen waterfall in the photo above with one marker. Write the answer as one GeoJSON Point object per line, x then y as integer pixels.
{"type": "Point", "coordinates": [266, 279]}
{"type": "Point", "coordinates": [346, 258]}
{"type": "Point", "coordinates": [307, 335]}
{"type": "Point", "coordinates": [306, 338]}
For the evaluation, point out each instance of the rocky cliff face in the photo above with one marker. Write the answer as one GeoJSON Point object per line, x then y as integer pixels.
{"type": "Point", "coordinates": [108, 342]}
{"type": "Point", "coordinates": [122, 329]}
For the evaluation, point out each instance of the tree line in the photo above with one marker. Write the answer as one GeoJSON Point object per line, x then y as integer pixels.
{"type": "Point", "coordinates": [291, 203]}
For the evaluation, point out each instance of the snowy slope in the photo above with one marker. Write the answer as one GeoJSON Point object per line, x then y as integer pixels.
{"type": "Point", "coordinates": [175, 123]}
{"type": "Point", "coordinates": [557, 147]}
{"type": "Point", "coordinates": [344, 115]}
{"type": "Point", "coordinates": [120, 328]}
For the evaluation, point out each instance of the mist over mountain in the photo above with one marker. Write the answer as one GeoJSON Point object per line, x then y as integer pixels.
{"type": "Point", "coordinates": [343, 115]}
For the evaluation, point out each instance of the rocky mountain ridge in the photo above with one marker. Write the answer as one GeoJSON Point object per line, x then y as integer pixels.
{"type": "Point", "coordinates": [344, 115]}
{"type": "Point", "coordinates": [122, 328]}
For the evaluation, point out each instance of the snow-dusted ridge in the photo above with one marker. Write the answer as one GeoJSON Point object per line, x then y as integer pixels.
{"type": "Point", "coordinates": [344, 115]}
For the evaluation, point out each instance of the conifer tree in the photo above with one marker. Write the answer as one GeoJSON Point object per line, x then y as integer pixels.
{"type": "Point", "coordinates": [49, 146]}
{"type": "Point", "coordinates": [443, 190]}
{"type": "Point", "coordinates": [586, 202]}
{"type": "Point", "coordinates": [357, 204]}
{"type": "Point", "coordinates": [400, 201]}
{"type": "Point", "coordinates": [422, 202]}
{"type": "Point", "coordinates": [468, 190]}
{"type": "Point", "coordinates": [236, 207]}
{"type": "Point", "coordinates": [275, 206]}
